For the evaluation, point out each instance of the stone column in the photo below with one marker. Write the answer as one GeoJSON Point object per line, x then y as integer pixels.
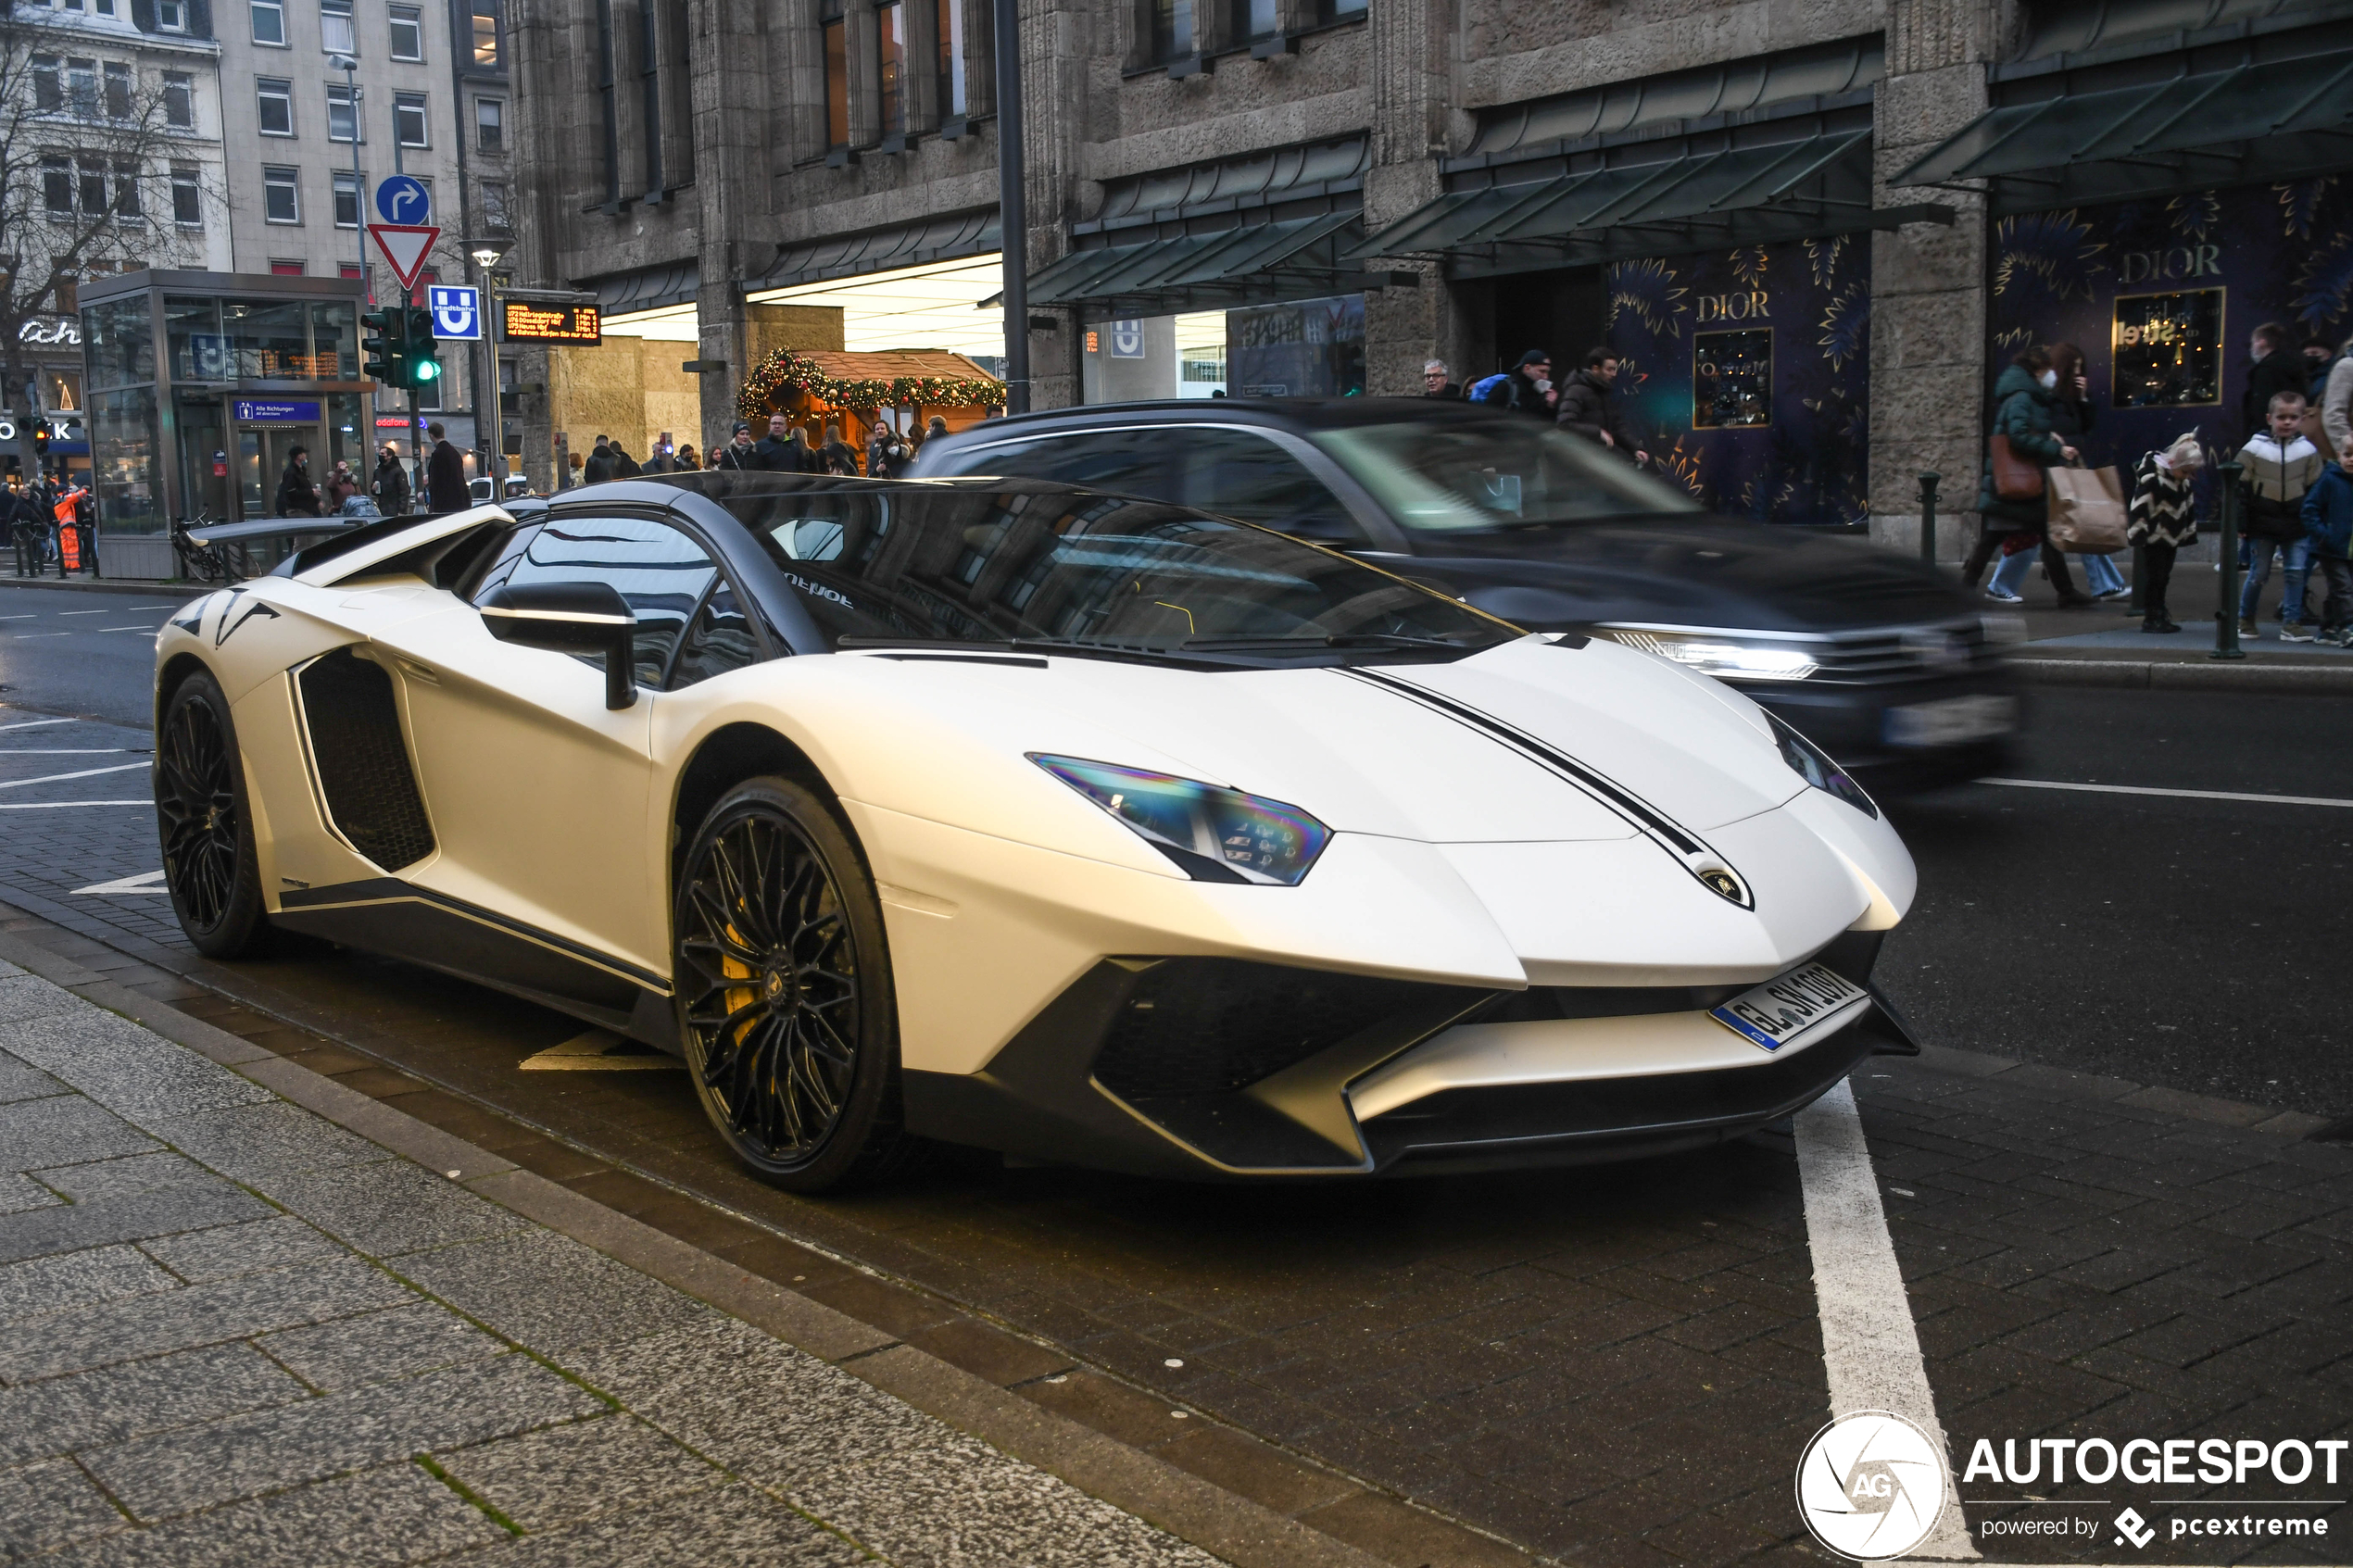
{"type": "Point", "coordinates": [1056, 37]}
{"type": "Point", "coordinates": [732, 162]}
{"type": "Point", "coordinates": [1405, 325]}
{"type": "Point", "coordinates": [1929, 280]}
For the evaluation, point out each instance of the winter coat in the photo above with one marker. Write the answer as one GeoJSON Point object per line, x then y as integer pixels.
{"type": "Point", "coordinates": [2027, 414]}
{"type": "Point", "coordinates": [839, 456]}
{"type": "Point", "coordinates": [391, 484]}
{"type": "Point", "coordinates": [1516, 392]}
{"type": "Point", "coordinates": [783, 456]}
{"type": "Point", "coordinates": [1588, 406]}
{"type": "Point", "coordinates": [2328, 513]}
{"type": "Point", "coordinates": [732, 457]}
{"type": "Point", "coordinates": [2280, 370]}
{"type": "Point", "coordinates": [1452, 391]}
{"type": "Point", "coordinates": [2336, 405]}
{"type": "Point", "coordinates": [2275, 478]}
{"type": "Point", "coordinates": [599, 468]}
{"type": "Point", "coordinates": [2164, 508]}
{"type": "Point", "coordinates": [623, 465]}
{"type": "Point", "coordinates": [297, 496]}
{"type": "Point", "coordinates": [445, 479]}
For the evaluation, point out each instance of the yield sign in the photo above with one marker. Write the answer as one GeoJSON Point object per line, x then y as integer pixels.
{"type": "Point", "coordinates": [405, 246]}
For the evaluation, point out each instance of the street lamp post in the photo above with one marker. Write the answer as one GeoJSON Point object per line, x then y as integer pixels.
{"type": "Point", "coordinates": [487, 254]}
{"type": "Point", "coordinates": [350, 68]}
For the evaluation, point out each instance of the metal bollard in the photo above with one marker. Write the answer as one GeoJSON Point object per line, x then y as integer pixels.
{"type": "Point", "coordinates": [1928, 517]}
{"type": "Point", "coordinates": [2139, 604]}
{"type": "Point", "coordinates": [2226, 617]}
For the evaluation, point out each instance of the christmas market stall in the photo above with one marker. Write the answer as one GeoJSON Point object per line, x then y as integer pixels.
{"type": "Point", "coordinates": [901, 387]}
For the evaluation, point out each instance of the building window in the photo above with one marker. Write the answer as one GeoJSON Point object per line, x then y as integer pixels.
{"type": "Point", "coordinates": [649, 95]}
{"type": "Point", "coordinates": [350, 270]}
{"type": "Point", "coordinates": [1338, 10]}
{"type": "Point", "coordinates": [187, 196]}
{"type": "Point", "coordinates": [93, 181]}
{"type": "Point", "coordinates": [346, 201]}
{"type": "Point", "coordinates": [285, 270]}
{"type": "Point", "coordinates": [281, 195]}
{"type": "Point", "coordinates": [407, 32]}
{"type": "Point", "coordinates": [494, 205]}
{"type": "Point", "coordinates": [343, 115]}
{"type": "Point", "coordinates": [891, 66]}
{"type": "Point", "coordinates": [49, 86]}
{"type": "Point", "coordinates": [836, 74]}
{"type": "Point", "coordinates": [486, 34]}
{"type": "Point", "coordinates": [952, 103]}
{"type": "Point", "coordinates": [1169, 25]}
{"type": "Point", "coordinates": [334, 28]}
{"type": "Point", "coordinates": [490, 124]}
{"type": "Point", "coordinates": [57, 187]}
{"type": "Point", "coordinates": [172, 16]}
{"type": "Point", "coordinates": [126, 192]}
{"type": "Point", "coordinates": [409, 119]}
{"type": "Point", "coordinates": [81, 88]}
{"type": "Point", "coordinates": [179, 99]}
{"type": "Point", "coordinates": [118, 91]}
{"type": "Point", "coordinates": [103, 7]}
{"type": "Point", "coordinates": [268, 22]}
{"type": "Point", "coordinates": [275, 100]}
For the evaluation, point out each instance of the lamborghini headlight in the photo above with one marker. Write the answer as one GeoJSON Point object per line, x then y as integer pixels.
{"type": "Point", "coordinates": [1726, 658]}
{"type": "Point", "coordinates": [1813, 764]}
{"type": "Point", "coordinates": [1216, 834]}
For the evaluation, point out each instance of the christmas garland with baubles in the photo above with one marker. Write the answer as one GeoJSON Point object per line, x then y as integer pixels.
{"type": "Point", "coordinates": [785, 372]}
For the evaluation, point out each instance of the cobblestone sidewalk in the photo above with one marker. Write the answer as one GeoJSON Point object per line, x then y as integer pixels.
{"type": "Point", "coordinates": [233, 1333]}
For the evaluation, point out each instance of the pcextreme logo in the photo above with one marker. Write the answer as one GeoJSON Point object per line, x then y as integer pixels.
{"type": "Point", "coordinates": [1871, 1486]}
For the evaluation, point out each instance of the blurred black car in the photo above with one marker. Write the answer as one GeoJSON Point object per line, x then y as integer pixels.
{"type": "Point", "coordinates": [1879, 660]}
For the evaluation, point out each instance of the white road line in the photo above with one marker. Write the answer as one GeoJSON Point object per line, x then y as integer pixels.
{"type": "Point", "coordinates": [130, 627]}
{"type": "Point", "coordinates": [60, 778]}
{"type": "Point", "coordinates": [37, 723]}
{"type": "Point", "coordinates": [109, 611]}
{"type": "Point", "coordinates": [28, 636]}
{"type": "Point", "coordinates": [145, 882]}
{"type": "Point", "coordinates": [136, 608]}
{"type": "Point", "coordinates": [61, 805]}
{"type": "Point", "coordinates": [1869, 1348]}
{"type": "Point", "coordinates": [2177, 794]}
{"type": "Point", "coordinates": [20, 617]}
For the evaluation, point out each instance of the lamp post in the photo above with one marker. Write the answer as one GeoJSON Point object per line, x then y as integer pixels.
{"type": "Point", "coordinates": [350, 68]}
{"type": "Point", "coordinates": [487, 253]}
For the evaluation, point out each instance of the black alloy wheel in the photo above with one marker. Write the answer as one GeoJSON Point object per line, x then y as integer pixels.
{"type": "Point", "coordinates": [783, 991]}
{"type": "Point", "coordinates": [209, 862]}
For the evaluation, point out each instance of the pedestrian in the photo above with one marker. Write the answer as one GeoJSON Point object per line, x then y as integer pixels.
{"type": "Point", "coordinates": [445, 488]}
{"type": "Point", "coordinates": [341, 486]}
{"type": "Point", "coordinates": [1526, 388]}
{"type": "Point", "coordinates": [2163, 518]}
{"type": "Point", "coordinates": [2318, 358]}
{"type": "Point", "coordinates": [839, 456]}
{"type": "Point", "coordinates": [1588, 406]}
{"type": "Point", "coordinates": [739, 454]}
{"type": "Point", "coordinates": [687, 462]}
{"type": "Point", "coordinates": [390, 482]}
{"type": "Point", "coordinates": [662, 461]}
{"type": "Point", "coordinates": [935, 425]}
{"type": "Point", "coordinates": [2336, 402]}
{"type": "Point", "coordinates": [2277, 467]}
{"type": "Point", "coordinates": [2275, 370]}
{"type": "Point", "coordinates": [599, 468]}
{"type": "Point", "coordinates": [2072, 417]}
{"type": "Point", "coordinates": [2328, 524]}
{"type": "Point", "coordinates": [801, 457]}
{"type": "Point", "coordinates": [1436, 383]}
{"type": "Point", "coordinates": [27, 528]}
{"type": "Point", "coordinates": [2025, 413]}
{"type": "Point", "coordinates": [776, 447]}
{"type": "Point", "coordinates": [297, 496]}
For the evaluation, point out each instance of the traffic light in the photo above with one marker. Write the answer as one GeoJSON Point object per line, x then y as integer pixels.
{"type": "Point", "coordinates": [41, 438]}
{"type": "Point", "coordinates": [423, 367]}
{"type": "Point", "coordinates": [384, 349]}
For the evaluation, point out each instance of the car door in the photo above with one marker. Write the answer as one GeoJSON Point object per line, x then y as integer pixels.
{"type": "Point", "coordinates": [536, 789]}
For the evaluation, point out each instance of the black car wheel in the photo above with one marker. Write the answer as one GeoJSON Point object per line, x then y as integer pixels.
{"type": "Point", "coordinates": [209, 862]}
{"type": "Point", "coordinates": [783, 991]}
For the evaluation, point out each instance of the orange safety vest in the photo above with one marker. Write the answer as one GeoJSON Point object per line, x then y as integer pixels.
{"type": "Point", "coordinates": [69, 536]}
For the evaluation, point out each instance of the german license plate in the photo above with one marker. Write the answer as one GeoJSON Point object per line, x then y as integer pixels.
{"type": "Point", "coordinates": [1779, 1010]}
{"type": "Point", "coordinates": [1953, 720]}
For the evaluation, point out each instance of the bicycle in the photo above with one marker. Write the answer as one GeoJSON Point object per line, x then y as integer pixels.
{"type": "Point", "coordinates": [201, 564]}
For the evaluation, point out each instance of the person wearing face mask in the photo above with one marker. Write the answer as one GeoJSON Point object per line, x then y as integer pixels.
{"type": "Point", "coordinates": [2072, 417]}
{"type": "Point", "coordinates": [2026, 412]}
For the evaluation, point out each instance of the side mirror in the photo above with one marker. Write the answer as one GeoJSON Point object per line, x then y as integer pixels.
{"type": "Point", "coordinates": [570, 618]}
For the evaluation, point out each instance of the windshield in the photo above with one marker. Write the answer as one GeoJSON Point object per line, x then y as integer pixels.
{"type": "Point", "coordinates": [1048, 566]}
{"type": "Point", "coordinates": [1461, 477]}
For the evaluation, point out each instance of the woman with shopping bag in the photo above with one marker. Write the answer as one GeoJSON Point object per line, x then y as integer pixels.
{"type": "Point", "coordinates": [2012, 500]}
{"type": "Point", "coordinates": [2072, 417]}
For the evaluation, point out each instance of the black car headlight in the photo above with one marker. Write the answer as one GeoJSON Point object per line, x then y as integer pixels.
{"type": "Point", "coordinates": [1811, 763]}
{"type": "Point", "coordinates": [1216, 834]}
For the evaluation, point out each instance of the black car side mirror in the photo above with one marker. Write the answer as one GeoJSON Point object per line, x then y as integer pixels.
{"type": "Point", "coordinates": [570, 618]}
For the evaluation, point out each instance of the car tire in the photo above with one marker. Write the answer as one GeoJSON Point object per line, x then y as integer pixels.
{"type": "Point", "coordinates": [210, 863]}
{"type": "Point", "coordinates": [784, 992]}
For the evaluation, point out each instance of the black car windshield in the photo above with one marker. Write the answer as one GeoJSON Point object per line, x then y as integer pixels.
{"type": "Point", "coordinates": [1032, 564]}
{"type": "Point", "coordinates": [1461, 476]}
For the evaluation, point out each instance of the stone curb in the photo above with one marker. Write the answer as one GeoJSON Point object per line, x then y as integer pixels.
{"type": "Point", "coordinates": [108, 585]}
{"type": "Point", "coordinates": [2242, 675]}
{"type": "Point", "coordinates": [1224, 1523]}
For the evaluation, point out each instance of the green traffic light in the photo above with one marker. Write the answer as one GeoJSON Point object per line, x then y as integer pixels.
{"type": "Point", "coordinates": [426, 370]}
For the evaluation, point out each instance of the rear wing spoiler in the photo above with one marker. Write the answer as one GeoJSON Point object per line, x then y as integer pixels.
{"type": "Point", "coordinates": [400, 544]}
{"type": "Point", "coordinates": [273, 528]}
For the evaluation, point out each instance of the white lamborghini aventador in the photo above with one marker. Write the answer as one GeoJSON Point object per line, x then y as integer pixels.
{"type": "Point", "coordinates": [1088, 829]}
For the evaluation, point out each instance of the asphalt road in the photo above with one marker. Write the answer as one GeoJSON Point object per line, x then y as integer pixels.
{"type": "Point", "coordinates": [80, 652]}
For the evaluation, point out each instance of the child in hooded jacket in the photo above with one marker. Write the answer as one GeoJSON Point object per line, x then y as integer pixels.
{"type": "Point", "coordinates": [2328, 527]}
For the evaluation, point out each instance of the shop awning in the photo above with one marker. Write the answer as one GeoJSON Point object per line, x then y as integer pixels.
{"type": "Point", "coordinates": [1251, 264]}
{"type": "Point", "coordinates": [649, 288]}
{"type": "Point", "coordinates": [2272, 121]}
{"type": "Point", "coordinates": [1726, 196]}
{"type": "Point", "coordinates": [946, 238]}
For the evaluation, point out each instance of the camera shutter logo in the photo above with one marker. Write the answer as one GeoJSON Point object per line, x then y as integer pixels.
{"type": "Point", "coordinates": [1871, 1486]}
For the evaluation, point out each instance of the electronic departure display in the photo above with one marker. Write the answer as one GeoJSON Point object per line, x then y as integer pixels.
{"type": "Point", "coordinates": [521, 321]}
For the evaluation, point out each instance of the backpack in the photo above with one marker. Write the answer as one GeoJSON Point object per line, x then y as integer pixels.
{"type": "Point", "coordinates": [1491, 389]}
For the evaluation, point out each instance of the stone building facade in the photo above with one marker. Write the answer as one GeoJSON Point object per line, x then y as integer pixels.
{"type": "Point", "coordinates": [1767, 208]}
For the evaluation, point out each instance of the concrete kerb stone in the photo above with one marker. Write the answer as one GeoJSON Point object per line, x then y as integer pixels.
{"type": "Point", "coordinates": [2187, 675]}
{"type": "Point", "coordinates": [1230, 1526]}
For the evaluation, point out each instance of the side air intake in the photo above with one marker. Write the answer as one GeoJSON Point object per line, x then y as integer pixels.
{"type": "Point", "coordinates": [354, 723]}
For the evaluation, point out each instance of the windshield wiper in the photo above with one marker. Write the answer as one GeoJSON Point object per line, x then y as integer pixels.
{"type": "Point", "coordinates": [1332, 640]}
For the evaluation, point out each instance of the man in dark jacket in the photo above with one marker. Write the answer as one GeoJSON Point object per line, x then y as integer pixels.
{"type": "Point", "coordinates": [27, 528]}
{"type": "Point", "coordinates": [599, 468]}
{"type": "Point", "coordinates": [2277, 369]}
{"type": "Point", "coordinates": [1528, 389]}
{"type": "Point", "coordinates": [1435, 382]}
{"type": "Point", "coordinates": [739, 454]}
{"type": "Point", "coordinates": [623, 465]}
{"type": "Point", "coordinates": [775, 449]}
{"type": "Point", "coordinates": [297, 496]}
{"type": "Point", "coordinates": [389, 483]}
{"type": "Point", "coordinates": [2328, 525]}
{"type": "Point", "coordinates": [1588, 406]}
{"type": "Point", "coordinates": [446, 476]}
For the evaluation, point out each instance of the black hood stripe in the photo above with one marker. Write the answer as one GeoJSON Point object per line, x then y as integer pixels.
{"type": "Point", "coordinates": [1692, 852]}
